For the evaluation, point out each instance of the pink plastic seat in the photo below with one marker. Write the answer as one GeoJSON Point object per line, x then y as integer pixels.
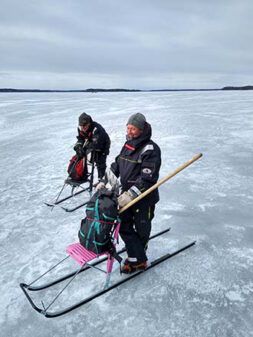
{"type": "Point", "coordinates": [82, 255]}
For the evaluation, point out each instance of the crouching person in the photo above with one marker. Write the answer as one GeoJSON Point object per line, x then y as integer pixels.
{"type": "Point", "coordinates": [137, 166]}
{"type": "Point", "coordinates": [92, 137]}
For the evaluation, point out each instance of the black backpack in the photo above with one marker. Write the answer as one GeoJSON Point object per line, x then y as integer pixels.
{"type": "Point", "coordinates": [97, 228]}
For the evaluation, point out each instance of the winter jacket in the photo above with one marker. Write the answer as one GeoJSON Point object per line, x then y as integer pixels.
{"type": "Point", "coordinates": [98, 139]}
{"type": "Point", "coordinates": [138, 165]}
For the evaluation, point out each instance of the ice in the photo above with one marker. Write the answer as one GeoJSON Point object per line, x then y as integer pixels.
{"type": "Point", "coordinates": [205, 291]}
{"type": "Point", "coordinates": [234, 296]}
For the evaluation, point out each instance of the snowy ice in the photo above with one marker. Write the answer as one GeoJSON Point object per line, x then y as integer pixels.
{"type": "Point", "coordinates": [206, 290]}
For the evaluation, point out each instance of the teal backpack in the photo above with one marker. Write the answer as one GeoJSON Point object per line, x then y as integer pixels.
{"type": "Point", "coordinates": [97, 228]}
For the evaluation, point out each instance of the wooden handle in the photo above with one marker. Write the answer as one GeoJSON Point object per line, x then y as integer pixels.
{"type": "Point", "coordinates": [152, 188]}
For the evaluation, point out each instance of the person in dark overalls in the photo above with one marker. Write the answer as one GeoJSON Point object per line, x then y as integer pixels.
{"type": "Point", "coordinates": [92, 137]}
{"type": "Point", "coordinates": [137, 166]}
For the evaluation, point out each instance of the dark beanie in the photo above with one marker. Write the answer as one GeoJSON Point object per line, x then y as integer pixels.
{"type": "Point", "coordinates": [84, 119]}
{"type": "Point", "coordinates": [137, 120]}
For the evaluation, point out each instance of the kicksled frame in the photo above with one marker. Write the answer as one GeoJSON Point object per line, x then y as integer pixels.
{"type": "Point", "coordinates": [75, 185]}
{"type": "Point", "coordinates": [107, 287]}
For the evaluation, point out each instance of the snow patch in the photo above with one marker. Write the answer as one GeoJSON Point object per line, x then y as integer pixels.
{"type": "Point", "coordinates": [234, 296]}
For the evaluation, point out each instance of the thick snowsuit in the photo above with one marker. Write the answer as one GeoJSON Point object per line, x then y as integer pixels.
{"type": "Point", "coordinates": [138, 166]}
{"type": "Point", "coordinates": [98, 142]}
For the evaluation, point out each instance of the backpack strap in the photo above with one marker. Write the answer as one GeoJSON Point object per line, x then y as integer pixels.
{"type": "Point", "coordinates": [95, 223]}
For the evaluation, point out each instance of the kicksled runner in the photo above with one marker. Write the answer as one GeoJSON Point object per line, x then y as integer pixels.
{"type": "Point", "coordinates": [88, 259]}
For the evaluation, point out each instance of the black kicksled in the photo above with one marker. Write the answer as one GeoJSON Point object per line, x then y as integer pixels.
{"type": "Point", "coordinates": [80, 180]}
{"type": "Point", "coordinates": [87, 260]}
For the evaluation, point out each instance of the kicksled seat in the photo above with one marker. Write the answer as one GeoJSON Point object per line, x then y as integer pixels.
{"type": "Point", "coordinates": [83, 256]}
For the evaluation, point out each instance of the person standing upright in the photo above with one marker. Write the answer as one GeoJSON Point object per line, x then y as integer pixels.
{"type": "Point", "coordinates": [138, 166]}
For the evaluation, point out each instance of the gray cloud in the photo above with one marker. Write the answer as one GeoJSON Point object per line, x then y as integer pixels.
{"type": "Point", "coordinates": [142, 43]}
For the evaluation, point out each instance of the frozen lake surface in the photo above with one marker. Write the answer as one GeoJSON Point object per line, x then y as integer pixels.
{"type": "Point", "coordinates": [205, 291]}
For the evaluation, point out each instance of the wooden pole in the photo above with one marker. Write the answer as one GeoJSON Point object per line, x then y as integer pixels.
{"type": "Point", "coordinates": [152, 188]}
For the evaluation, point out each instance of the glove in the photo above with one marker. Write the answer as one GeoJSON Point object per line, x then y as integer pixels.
{"type": "Point", "coordinates": [80, 152]}
{"type": "Point", "coordinates": [125, 198]}
{"type": "Point", "coordinates": [99, 186]}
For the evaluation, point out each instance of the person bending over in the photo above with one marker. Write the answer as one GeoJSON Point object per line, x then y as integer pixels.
{"type": "Point", "coordinates": [92, 137]}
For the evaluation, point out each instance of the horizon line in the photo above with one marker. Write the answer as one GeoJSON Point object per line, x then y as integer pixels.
{"type": "Point", "coordinates": [245, 87]}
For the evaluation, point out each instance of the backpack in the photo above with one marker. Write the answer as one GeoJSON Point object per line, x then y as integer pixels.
{"type": "Point", "coordinates": [97, 228]}
{"type": "Point", "coordinates": [77, 168]}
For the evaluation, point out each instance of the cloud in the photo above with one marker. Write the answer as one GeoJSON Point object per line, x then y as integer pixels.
{"type": "Point", "coordinates": [126, 41]}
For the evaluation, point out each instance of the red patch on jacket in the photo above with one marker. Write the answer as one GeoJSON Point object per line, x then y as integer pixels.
{"type": "Point", "coordinates": [129, 147]}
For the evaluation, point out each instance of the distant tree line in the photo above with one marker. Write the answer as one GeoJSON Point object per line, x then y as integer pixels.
{"type": "Point", "coordinates": [246, 87]}
{"type": "Point", "coordinates": [94, 90]}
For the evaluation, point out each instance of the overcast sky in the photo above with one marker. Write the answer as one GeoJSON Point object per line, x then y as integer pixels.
{"type": "Point", "coordinates": [79, 44]}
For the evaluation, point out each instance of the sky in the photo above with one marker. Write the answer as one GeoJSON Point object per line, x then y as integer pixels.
{"type": "Point", "coordinates": [135, 44]}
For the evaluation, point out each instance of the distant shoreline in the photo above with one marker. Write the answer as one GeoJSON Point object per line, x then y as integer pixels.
{"type": "Point", "coordinates": [94, 90]}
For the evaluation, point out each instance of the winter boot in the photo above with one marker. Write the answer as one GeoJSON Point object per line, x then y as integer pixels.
{"type": "Point", "coordinates": [126, 261]}
{"type": "Point", "coordinates": [131, 267]}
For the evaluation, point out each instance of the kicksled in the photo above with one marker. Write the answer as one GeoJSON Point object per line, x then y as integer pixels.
{"type": "Point", "coordinates": [89, 260]}
{"type": "Point", "coordinates": [78, 186]}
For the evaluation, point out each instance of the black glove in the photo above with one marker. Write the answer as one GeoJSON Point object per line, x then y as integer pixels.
{"type": "Point", "coordinates": [80, 151]}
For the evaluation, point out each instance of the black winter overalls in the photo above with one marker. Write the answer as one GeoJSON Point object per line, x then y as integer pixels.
{"type": "Point", "coordinates": [138, 166]}
{"type": "Point", "coordinates": [99, 143]}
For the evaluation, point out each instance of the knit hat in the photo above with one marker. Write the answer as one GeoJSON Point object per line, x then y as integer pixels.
{"type": "Point", "coordinates": [137, 120]}
{"type": "Point", "coordinates": [84, 119]}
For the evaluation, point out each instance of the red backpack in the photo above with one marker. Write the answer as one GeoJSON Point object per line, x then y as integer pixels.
{"type": "Point", "coordinates": [77, 168]}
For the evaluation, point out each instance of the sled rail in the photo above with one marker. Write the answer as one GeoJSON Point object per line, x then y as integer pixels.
{"type": "Point", "coordinates": [86, 300]}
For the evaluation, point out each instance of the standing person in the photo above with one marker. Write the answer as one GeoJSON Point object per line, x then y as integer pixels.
{"type": "Point", "coordinates": [138, 166]}
{"type": "Point", "coordinates": [92, 137]}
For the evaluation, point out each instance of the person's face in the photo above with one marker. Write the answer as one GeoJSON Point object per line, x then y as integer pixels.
{"type": "Point", "coordinates": [84, 128]}
{"type": "Point", "coordinates": [133, 131]}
